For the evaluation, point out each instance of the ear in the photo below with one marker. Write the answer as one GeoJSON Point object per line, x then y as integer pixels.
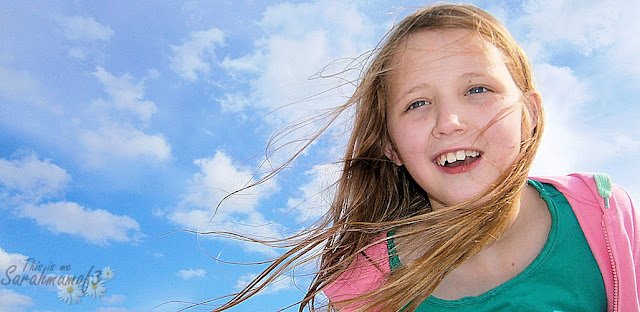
{"type": "Point", "coordinates": [533, 101]}
{"type": "Point", "coordinates": [390, 152]}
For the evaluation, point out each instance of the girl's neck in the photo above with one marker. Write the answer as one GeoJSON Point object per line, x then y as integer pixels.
{"type": "Point", "coordinates": [519, 245]}
{"type": "Point", "coordinates": [511, 253]}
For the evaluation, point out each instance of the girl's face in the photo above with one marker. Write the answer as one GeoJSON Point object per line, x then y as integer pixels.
{"type": "Point", "coordinates": [454, 113]}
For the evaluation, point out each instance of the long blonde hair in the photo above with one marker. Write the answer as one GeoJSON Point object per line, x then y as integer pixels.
{"type": "Point", "coordinates": [375, 196]}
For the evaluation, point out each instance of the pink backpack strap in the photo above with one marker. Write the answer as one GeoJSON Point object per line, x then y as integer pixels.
{"type": "Point", "coordinates": [365, 274]}
{"type": "Point", "coordinates": [610, 223]}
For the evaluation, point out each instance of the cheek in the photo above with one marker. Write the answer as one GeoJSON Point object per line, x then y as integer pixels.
{"type": "Point", "coordinates": [505, 136]}
{"type": "Point", "coordinates": [403, 135]}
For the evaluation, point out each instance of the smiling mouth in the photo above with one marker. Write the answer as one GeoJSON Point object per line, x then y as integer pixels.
{"type": "Point", "coordinates": [457, 158]}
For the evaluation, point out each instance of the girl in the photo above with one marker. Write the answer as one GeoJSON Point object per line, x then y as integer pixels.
{"type": "Point", "coordinates": [434, 210]}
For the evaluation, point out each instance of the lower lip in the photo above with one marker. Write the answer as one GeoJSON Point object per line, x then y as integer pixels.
{"type": "Point", "coordinates": [460, 169]}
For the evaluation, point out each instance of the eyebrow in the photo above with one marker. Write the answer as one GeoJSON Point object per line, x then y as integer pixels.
{"type": "Point", "coordinates": [474, 75]}
{"type": "Point", "coordinates": [422, 85]}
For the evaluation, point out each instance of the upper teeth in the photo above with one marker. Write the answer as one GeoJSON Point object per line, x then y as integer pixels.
{"type": "Point", "coordinates": [453, 156]}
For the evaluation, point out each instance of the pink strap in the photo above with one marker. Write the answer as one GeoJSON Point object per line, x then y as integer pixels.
{"type": "Point", "coordinates": [365, 274]}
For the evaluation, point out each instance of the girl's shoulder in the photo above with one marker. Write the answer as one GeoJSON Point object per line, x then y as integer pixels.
{"type": "Point", "coordinates": [367, 272]}
{"type": "Point", "coordinates": [610, 224]}
{"type": "Point", "coordinates": [594, 200]}
{"type": "Point", "coordinates": [591, 189]}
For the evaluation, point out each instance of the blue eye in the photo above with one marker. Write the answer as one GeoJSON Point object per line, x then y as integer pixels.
{"type": "Point", "coordinates": [417, 104]}
{"type": "Point", "coordinates": [476, 90]}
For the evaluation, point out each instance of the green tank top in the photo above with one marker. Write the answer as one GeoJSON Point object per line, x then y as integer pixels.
{"type": "Point", "coordinates": [563, 277]}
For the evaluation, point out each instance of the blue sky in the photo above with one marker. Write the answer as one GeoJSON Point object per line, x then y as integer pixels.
{"type": "Point", "coordinates": [123, 121]}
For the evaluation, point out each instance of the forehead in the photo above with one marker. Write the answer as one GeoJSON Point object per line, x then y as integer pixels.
{"type": "Point", "coordinates": [430, 46]}
{"type": "Point", "coordinates": [439, 54]}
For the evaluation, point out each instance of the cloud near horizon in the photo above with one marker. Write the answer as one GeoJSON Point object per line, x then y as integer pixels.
{"type": "Point", "coordinates": [30, 186]}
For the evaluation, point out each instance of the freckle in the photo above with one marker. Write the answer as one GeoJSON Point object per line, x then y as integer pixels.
{"type": "Point", "coordinates": [513, 264]}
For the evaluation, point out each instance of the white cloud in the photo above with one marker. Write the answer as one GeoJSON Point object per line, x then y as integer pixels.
{"type": "Point", "coordinates": [125, 94]}
{"type": "Point", "coordinates": [591, 26]}
{"type": "Point", "coordinates": [566, 135]}
{"type": "Point", "coordinates": [317, 193]}
{"type": "Point", "coordinates": [300, 41]}
{"type": "Point", "coordinates": [9, 259]}
{"type": "Point", "coordinates": [588, 24]}
{"type": "Point", "coordinates": [624, 52]}
{"type": "Point", "coordinates": [33, 177]}
{"type": "Point", "coordinates": [126, 144]}
{"type": "Point", "coordinates": [191, 273]}
{"type": "Point", "coordinates": [574, 126]}
{"type": "Point", "coordinates": [242, 64]}
{"type": "Point", "coordinates": [85, 37]}
{"type": "Point", "coordinates": [13, 301]}
{"type": "Point", "coordinates": [30, 180]}
{"type": "Point", "coordinates": [97, 226]}
{"type": "Point", "coordinates": [196, 54]}
{"type": "Point", "coordinates": [282, 75]}
{"type": "Point", "coordinates": [118, 122]}
{"type": "Point", "coordinates": [218, 177]}
{"type": "Point", "coordinates": [281, 283]}
{"type": "Point", "coordinates": [588, 109]}
{"type": "Point", "coordinates": [80, 28]}
{"type": "Point", "coordinates": [233, 102]}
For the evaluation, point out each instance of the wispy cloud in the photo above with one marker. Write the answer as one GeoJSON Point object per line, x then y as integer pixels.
{"type": "Point", "coordinates": [191, 273]}
{"type": "Point", "coordinates": [588, 26]}
{"type": "Point", "coordinates": [218, 177]}
{"type": "Point", "coordinates": [281, 283]}
{"type": "Point", "coordinates": [85, 35]}
{"type": "Point", "coordinates": [315, 199]}
{"type": "Point", "coordinates": [125, 95]}
{"type": "Point", "coordinates": [113, 299]}
{"type": "Point", "coordinates": [299, 40]}
{"type": "Point", "coordinates": [565, 136]}
{"type": "Point", "coordinates": [84, 29]}
{"type": "Point", "coordinates": [624, 48]}
{"type": "Point", "coordinates": [120, 120]}
{"type": "Point", "coordinates": [195, 56]}
{"type": "Point", "coordinates": [282, 77]}
{"type": "Point", "coordinates": [586, 112]}
{"type": "Point", "coordinates": [21, 87]}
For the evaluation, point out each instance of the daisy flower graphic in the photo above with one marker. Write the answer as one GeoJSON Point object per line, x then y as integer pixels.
{"type": "Point", "coordinates": [108, 274]}
{"type": "Point", "coordinates": [95, 287]}
{"type": "Point", "coordinates": [69, 293]}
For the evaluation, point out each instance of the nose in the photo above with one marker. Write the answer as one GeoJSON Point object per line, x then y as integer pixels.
{"type": "Point", "coordinates": [448, 123]}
